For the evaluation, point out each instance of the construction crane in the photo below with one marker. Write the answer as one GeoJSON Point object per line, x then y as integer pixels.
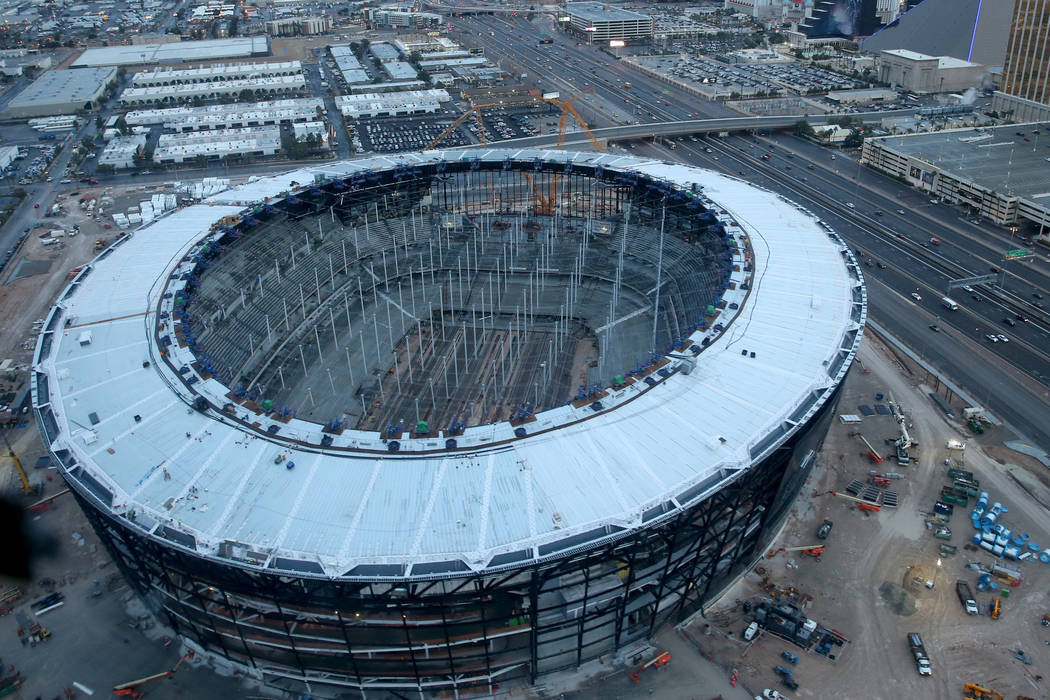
{"type": "Point", "coordinates": [810, 550]}
{"type": "Point", "coordinates": [476, 112]}
{"type": "Point", "coordinates": [876, 458]}
{"type": "Point", "coordinates": [861, 503]}
{"type": "Point", "coordinates": [26, 488]}
{"type": "Point", "coordinates": [903, 441]}
{"type": "Point", "coordinates": [545, 202]}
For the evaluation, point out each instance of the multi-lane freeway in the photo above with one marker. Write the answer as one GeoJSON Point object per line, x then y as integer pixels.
{"type": "Point", "coordinates": [889, 225]}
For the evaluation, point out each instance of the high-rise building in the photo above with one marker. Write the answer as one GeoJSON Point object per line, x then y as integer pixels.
{"type": "Point", "coordinates": [1025, 88]}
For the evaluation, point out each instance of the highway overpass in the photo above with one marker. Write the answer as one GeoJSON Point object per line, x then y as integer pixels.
{"type": "Point", "coordinates": [692, 126]}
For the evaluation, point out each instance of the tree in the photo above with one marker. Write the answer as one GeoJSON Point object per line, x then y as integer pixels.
{"type": "Point", "coordinates": [803, 129]}
{"type": "Point", "coordinates": [854, 140]}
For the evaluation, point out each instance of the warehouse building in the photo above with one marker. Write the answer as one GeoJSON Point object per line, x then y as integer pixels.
{"type": "Point", "coordinates": [209, 74]}
{"type": "Point", "coordinates": [348, 65]}
{"type": "Point", "coordinates": [266, 86]}
{"type": "Point", "coordinates": [174, 52]}
{"type": "Point", "coordinates": [399, 70]}
{"type": "Point", "coordinates": [228, 116]}
{"type": "Point", "coordinates": [61, 92]}
{"type": "Point", "coordinates": [251, 140]}
{"type": "Point", "coordinates": [600, 23]}
{"type": "Point", "coordinates": [393, 86]}
{"type": "Point", "coordinates": [391, 104]}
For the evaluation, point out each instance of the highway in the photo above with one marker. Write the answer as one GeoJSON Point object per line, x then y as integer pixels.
{"type": "Point", "coordinates": [1011, 378]}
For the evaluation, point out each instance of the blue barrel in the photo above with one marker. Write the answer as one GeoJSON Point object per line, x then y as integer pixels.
{"type": "Point", "coordinates": [984, 578]}
{"type": "Point", "coordinates": [1011, 552]}
{"type": "Point", "coordinates": [984, 544]}
{"type": "Point", "coordinates": [997, 550]}
{"type": "Point", "coordinates": [982, 502]}
{"type": "Point", "coordinates": [993, 586]}
{"type": "Point", "coordinates": [1033, 547]}
{"type": "Point", "coordinates": [1044, 556]}
{"type": "Point", "coordinates": [976, 539]}
{"type": "Point", "coordinates": [1018, 540]}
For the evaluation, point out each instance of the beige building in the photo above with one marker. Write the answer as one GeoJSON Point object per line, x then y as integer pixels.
{"type": "Point", "coordinates": [917, 72]}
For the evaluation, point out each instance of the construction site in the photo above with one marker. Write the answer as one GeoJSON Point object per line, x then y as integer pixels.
{"type": "Point", "coordinates": [890, 538]}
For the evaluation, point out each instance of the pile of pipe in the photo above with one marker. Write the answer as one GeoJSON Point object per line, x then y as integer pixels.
{"type": "Point", "coordinates": [996, 538]}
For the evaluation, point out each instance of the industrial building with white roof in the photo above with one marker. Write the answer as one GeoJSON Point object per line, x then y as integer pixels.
{"type": "Point", "coordinates": [328, 421]}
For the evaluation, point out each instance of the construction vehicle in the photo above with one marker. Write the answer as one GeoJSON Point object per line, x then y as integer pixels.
{"type": "Point", "coordinates": [996, 609]}
{"type": "Point", "coordinates": [962, 589]}
{"type": "Point", "coordinates": [918, 651]}
{"type": "Point", "coordinates": [26, 487]}
{"type": "Point", "coordinates": [873, 454]}
{"type": "Point", "coordinates": [100, 243]}
{"type": "Point", "coordinates": [130, 689]}
{"type": "Point", "coordinates": [972, 691]}
{"type": "Point", "coordinates": [904, 441]}
{"type": "Point", "coordinates": [656, 662]}
{"type": "Point", "coordinates": [811, 550]}
{"type": "Point", "coordinates": [31, 633]}
{"type": "Point", "coordinates": [824, 530]}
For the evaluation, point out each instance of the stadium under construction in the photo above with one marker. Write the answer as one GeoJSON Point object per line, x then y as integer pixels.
{"type": "Point", "coordinates": [444, 421]}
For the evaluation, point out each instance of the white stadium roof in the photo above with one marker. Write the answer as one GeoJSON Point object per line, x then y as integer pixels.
{"type": "Point", "coordinates": [209, 483]}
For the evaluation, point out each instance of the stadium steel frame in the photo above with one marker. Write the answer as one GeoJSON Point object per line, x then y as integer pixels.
{"type": "Point", "coordinates": [664, 573]}
{"type": "Point", "coordinates": [523, 614]}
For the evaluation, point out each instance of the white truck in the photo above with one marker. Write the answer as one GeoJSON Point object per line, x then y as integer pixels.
{"type": "Point", "coordinates": [949, 304]}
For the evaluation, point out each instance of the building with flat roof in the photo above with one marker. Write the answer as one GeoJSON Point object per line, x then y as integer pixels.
{"type": "Point", "coordinates": [390, 86]}
{"type": "Point", "coordinates": [61, 92]}
{"type": "Point", "coordinates": [299, 26]}
{"type": "Point", "coordinates": [1025, 91]}
{"type": "Point", "coordinates": [399, 70]}
{"type": "Point", "coordinates": [120, 152]}
{"type": "Point", "coordinates": [600, 23]}
{"type": "Point", "coordinates": [1001, 172]}
{"type": "Point", "coordinates": [227, 116]}
{"type": "Point", "coordinates": [391, 104]}
{"type": "Point", "coordinates": [218, 143]}
{"type": "Point", "coordinates": [917, 72]}
{"type": "Point", "coordinates": [174, 52]}
{"type": "Point", "coordinates": [166, 75]}
{"type": "Point", "coordinates": [265, 86]}
{"type": "Point", "coordinates": [400, 18]}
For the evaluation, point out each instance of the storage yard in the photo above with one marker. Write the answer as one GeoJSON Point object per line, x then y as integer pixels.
{"type": "Point", "coordinates": [870, 583]}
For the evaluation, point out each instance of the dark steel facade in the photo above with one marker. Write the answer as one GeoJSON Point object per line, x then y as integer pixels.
{"type": "Point", "coordinates": [474, 630]}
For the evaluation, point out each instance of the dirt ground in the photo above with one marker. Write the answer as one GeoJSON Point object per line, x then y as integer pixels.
{"type": "Point", "coordinates": [862, 587]}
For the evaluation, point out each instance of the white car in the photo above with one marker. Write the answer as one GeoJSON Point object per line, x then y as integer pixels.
{"type": "Point", "coordinates": [851, 205]}
{"type": "Point", "coordinates": [915, 296]}
{"type": "Point", "coordinates": [751, 631]}
{"type": "Point", "coordinates": [773, 694]}
{"type": "Point", "coordinates": [1003, 338]}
